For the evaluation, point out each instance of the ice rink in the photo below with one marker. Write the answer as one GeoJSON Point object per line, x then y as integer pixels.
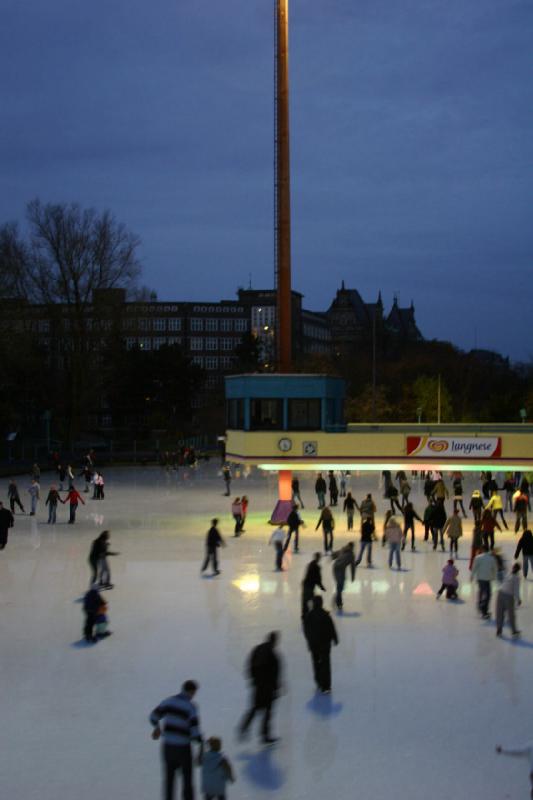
{"type": "Point", "coordinates": [422, 690]}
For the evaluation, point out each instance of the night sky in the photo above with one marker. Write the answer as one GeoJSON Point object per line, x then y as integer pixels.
{"type": "Point", "coordinates": [412, 132]}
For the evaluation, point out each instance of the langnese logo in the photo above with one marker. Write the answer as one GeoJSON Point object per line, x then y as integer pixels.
{"type": "Point", "coordinates": [438, 445]}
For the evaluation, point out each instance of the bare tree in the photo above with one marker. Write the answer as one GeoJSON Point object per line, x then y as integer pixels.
{"type": "Point", "coordinates": [13, 257]}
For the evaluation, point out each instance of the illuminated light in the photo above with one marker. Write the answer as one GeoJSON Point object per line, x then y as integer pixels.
{"type": "Point", "coordinates": [265, 328]}
{"type": "Point", "coordinates": [424, 590]}
{"type": "Point", "coordinates": [322, 466]}
{"type": "Point", "coordinates": [248, 584]}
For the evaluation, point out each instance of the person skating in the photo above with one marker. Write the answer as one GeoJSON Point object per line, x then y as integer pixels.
{"type": "Point", "coordinates": [438, 521]}
{"type": "Point", "coordinates": [328, 525]}
{"type": "Point", "coordinates": [320, 490]}
{"type": "Point", "coordinates": [349, 506]}
{"type": "Point", "coordinates": [392, 496]}
{"type": "Point", "coordinates": [320, 633]}
{"type": "Point", "coordinates": [476, 505]}
{"type": "Point", "coordinates": [236, 511]}
{"type": "Point", "coordinates": [409, 516]}
{"type": "Point", "coordinates": [428, 517]}
{"type": "Point", "coordinates": [61, 475]}
{"type": "Point", "coordinates": [495, 506]}
{"type": "Point", "coordinates": [508, 595]}
{"type": "Point", "coordinates": [264, 672]}
{"type": "Point", "coordinates": [73, 498]}
{"type": "Point", "coordinates": [453, 527]}
{"type": "Point", "coordinates": [440, 492]}
{"type": "Point", "coordinates": [226, 477]}
{"type": "Point", "coordinates": [212, 542]}
{"type": "Point", "coordinates": [509, 487]}
{"type": "Point", "coordinates": [525, 546]}
{"type": "Point", "coordinates": [294, 521]}
{"type": "Point", "coordinates": [367, 538]}
{"type": "Point", "coordinates": [296, 496]}
{"type": "Point", "coordinates": [52, 500]}
{"type": "Point", "coordinates": [98, 555]}
{"type": "Point", "coordinates": [244, 511]}
{"type": "Point", "coordinates": [333, 489]}
{"type": "Point", "coordinates": [87, 475]}
{"type": "Point", "coordinates": [181, 727]}
{"type": "Point", "coordinates": [457, 485]}
{"type": "Point", "coordinates": [343, 559]}
{"type": "Point", "coordinates": [524, 750]}
{"type": "Point", "coordinates": [450, 584]}
{"type": "Point", "coordinates": [393, 536]}
{"type": "Point", "coordinates": [368, 509]}
{"type": "Point", "coordinates": [70, 476]}
{"type": "Point", "coordinates": [342, 483]}
{"type": "Point", "coordinates": [405, 490]}
{"type": "Point", "coordinates": [92, 602]}
{"type": "Point", "coordinates": [277, 540]}
{"type": "Point", "coordinates": [216, 770]}
{"type": "Point", "coordinates": [484, 571]}
{"type": "Point", "coordinates": [14, 497]}
{"type": "Point", "coordinates": [521, 501]}
{"type": "Point", "coordinates": [477, 543]}
{"type": "Point", "coordinates": [429, 484]}
{"type": "Point", "coordinates": [488, 523]}
{"type": "Point", "coordinates": [35, 493]}
{"type": "Point", "coordinates": [7, 521]}
{"type": "Point", "coordinates": [312, 579]}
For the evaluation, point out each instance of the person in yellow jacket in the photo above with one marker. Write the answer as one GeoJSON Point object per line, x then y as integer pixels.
{"type": "Point", "coordinates": [495, 505]}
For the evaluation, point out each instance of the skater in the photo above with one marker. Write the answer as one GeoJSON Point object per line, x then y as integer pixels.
{"type": "Point", "coordinates": [450, 584]}
{"type": "Point", "coordinates": [36, 473]}
{"type": "Point", "coordinates": [212, 542]}
{"type": "Point", "coordinates": [236, 511]}
{"type": "Point", "coordinates": [525, 546]}
{"type": "Point", "coordinates": [505, 601]}
{"type": "Point", "coordinates": [367, 537]}
{"type": "Point", "coordinates": [495, 506]}
{"type": "Point", "coordinates": [484, 572]}
{"type": "Point", "coordinates": [509, 487]}
{"type": "Point", "coordinates": [409, 516]}
{"type": "Point", "coordinates": [52, 500]}
{"type": "Point", "coordinates": [313, 577]}
{"type": "Point", "coordinates": [333, 489]}
{"type": "Point", "coordinates": [405, 490]}
{"type": "Point", "coordinates": [294, 521]}
{"type": "Point", "coordinates": [14, 498]}
{"type": "Point", "coordinates": [392, 496]}
{"type": "Point", "coordinates": [70, 476]}
{"type": "Point", "coordinates": [92, 602]}
{"type": "Point", "coordinates": [277, 539]}
{"type": "Point", "coordinates": [99, 484]}
{"type": "Point", "coordinates": [296, 496]}
{"type": "Point", "coordinates": [264, 671]}
{"type": "Point", "coordinates": [368, 509]}
{"type": "Point", "coordinates": [98, 561]}
{"type": "Point", "coordinates": [226, 477]}
{"type": "Point", "coordinates": [488, 523]}
{"type": "Point", "coordinates": [525, 750]}
{"type": "Point", "coordinates": [438, 521]}
{"type": "Point", "coordinates": [320, 490]}
{"type": "Point", "coordinates": [87, 475]}
{"type": "Point", "coordinates": [181, 728]}
{"type": "Point", "coordinates": [476, 505]}
{"type": "Point", "coordinates": [320, 633]}
{"type": "Point", "coordinates": [458, 493]}
{"type": "Point", "coordinates": [392, 533]}
{"type": "Point", "coordinates": [343, 559]}
{"type": "Point", "coordinates": [101, 626]}
{"type": "Point", "coordinates": [73, 497]}
{"type": "Point", "coordinates": [216, 770]}
{"type": "Point", "coordinates": [342, 484]}
{"type": "Point", "coordinates": [7, 521]}
{"type": "Point", "coordinates": [328, 526]}
{"type": "Point", "coordinates": [61, 476]}
{"type": "Point", "coordinates": [428, 520]}
{"type": "Point", "coordinates": [244, 510]}
{"type": "Point", "coordinates": [521, 501]}
{"type": "Point", "coordinates": [34, 492]}
{"type": "Point", "coordinates": [429, 484]}
{"type": "Point", "coordinates": [477, 543]}
{"type": "Point", "coordinates": [387, 482]}
{"type": "Point", "coordinates": [454, 528]}
{"type": "Point", "coordinates": [349, 505]}
{"type": "Point", "coordinates": [440, 492]}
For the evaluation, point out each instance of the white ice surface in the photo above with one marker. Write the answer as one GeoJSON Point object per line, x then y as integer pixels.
{"type": "Point", "coordinates": [423, 690]}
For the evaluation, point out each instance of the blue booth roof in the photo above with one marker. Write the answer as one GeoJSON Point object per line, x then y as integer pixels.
{"type": "Point", "coordinates": [278, 385]}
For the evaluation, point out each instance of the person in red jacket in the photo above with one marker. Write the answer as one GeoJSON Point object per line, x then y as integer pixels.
{"type": "Point", "coordinates": [488, 523]}
{"type": "Point", "coordinates": [73, 497]}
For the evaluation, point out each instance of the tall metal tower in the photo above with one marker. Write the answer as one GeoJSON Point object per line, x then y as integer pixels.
{"type": "Point", "coordinates": [282, 190]}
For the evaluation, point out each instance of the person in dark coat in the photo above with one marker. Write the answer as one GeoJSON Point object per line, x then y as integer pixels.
{"type": "Point", "coordinates": [92, 602]}
{"type": "Point", "coordinates": [409, 516]}
{"type": "Point", "coordinates": [6, 522]}
{"type": "Point", "coordinates": [98, 561]}
{"type": "Point", "coordinates": [296, 496]}
{"type": "Point", "coordinates": [525, 546]}
{"type": "Point", "coordinates": [328, 524]}
{"type": "Point", "coordinates": [264, 671]}
{"type": "Point", "coordinates": [14, 497]}
{"type": "Point", "coordinates": [293, 521]}
{"type": "Point", "coordinates": [333, 490]}
{"type": "Point", "coordinates": [320, 633]}
{"type": "Point", "coordinates": [438, 520]}
{"type": "Point", "coordinates": [320, 490]}
{"type": "Point", "coordinates": [367, 537]}
{"type": "Point", "coordinates": [213, 541]}
{"type": "Point", "coordinates": [312, 578]}
{"type": "Point", "coordinates": [341, 561]}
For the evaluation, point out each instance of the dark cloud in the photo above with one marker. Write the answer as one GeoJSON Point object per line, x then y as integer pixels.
{"type": "Point", "coordinates": [412, 125]}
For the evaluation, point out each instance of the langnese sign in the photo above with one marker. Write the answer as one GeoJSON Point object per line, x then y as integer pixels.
{"type": "Point", "coordinates": [481, 447]}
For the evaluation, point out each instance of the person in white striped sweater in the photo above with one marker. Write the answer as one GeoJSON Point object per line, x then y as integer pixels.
{"type": "Point", "coordinates": [181, 727]}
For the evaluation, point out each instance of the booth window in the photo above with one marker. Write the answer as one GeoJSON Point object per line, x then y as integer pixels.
{"type": "Point", "coordinates": [304, 415]}
{"type": "Point", "coordinates": [266, 414]}
{"type": "Point", "coordinates": [235, 414]}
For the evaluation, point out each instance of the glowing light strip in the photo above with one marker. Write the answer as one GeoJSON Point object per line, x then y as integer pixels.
{"type": "Point", "coordinates": [362, 466]}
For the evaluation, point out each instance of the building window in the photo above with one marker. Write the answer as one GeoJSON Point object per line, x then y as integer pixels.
{"type": "Point", "coordinates": [235, 414]}
{"type": "Point", "coordinates": [226, 324]}
{"type": "Point", "coordinates": [160, 324]}
{"type": "Point", "coordinates": [304, 415]}
{"type": "Point", "coordinates": [211, 343]}
{"type": "Point", "coordinates": [241, 324]}
{"type": "Point", "coordinates": [159, 341]}
{"type": "Point", "coordinates": [145, 343]}
{"type": "Point", "coordinates": [227, 343]}
{"type": "Point", "coordinates": [266, 414]}
{"type": "Point", "coordinates": [128, 323]}
{"type": "Point", "coordinates": [43, 326]}
{"type": "Point", "coordinates": [226, 362]}
{"type": "Point", "coordinates": [174, 324]}
{"type": "Point", "coordinates": [145, 324]}
{"type": "Point", "coordinates": [197, 343]}
{"type": "Point", "coordinates": [173, 340]}
{"type": "Point", "coordinates": [211, 324]}
{"type": "Point", "coordinates": [211, 362]}
{"type": "Point", "coordinates": [198, 361]}
{"type": "Point", "coordinates": [131, 342]}
{"type": "Point", "coordinates": [197, 324]}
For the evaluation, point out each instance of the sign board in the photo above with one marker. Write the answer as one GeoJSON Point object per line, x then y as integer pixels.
{"type": "Point", "coordinates": [475, 447]}
{"type": "Point", "coordinates": [310, 449]}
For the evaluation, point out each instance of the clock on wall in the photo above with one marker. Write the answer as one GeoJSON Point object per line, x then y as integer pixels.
{"type": "Point", "coordinates": [284, 444]}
